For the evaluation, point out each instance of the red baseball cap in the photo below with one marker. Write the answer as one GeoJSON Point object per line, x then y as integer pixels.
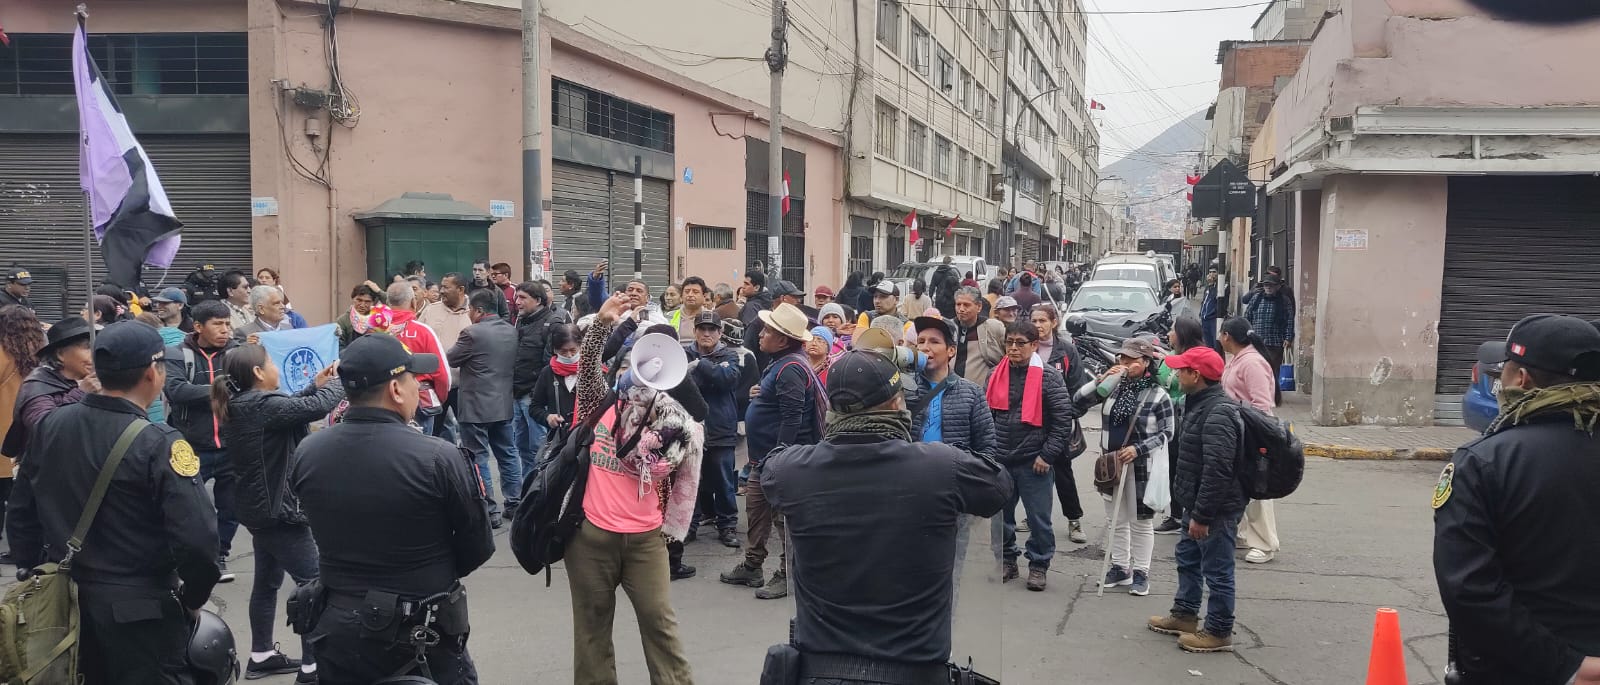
{"type": "Point", "coordinates": [1202, 359]}
{"type": "Point", "coordinates": [823, 290]}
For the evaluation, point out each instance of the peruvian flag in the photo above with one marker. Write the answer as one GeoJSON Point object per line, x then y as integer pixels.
{"type": "Point", "coordinates": [1096, 104]}
{"type": "Point", "coordinates": [911, 225]}
{"type": "Point", "coordinates": [786, 193]}
{"type": "Point", "coordinates": [1191, 179]}
{"type": "Point", "coordinates": [951, 227]}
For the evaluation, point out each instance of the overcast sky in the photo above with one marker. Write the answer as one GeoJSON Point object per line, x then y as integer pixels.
{"type": "Point", "coordinates": [1175, 54]}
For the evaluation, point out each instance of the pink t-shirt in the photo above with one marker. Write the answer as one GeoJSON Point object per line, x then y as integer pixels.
{"type": "Point", "coordinates": [612, 500]}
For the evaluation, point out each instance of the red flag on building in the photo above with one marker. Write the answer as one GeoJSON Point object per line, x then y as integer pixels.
{"type": "Point", "coordinates": [911, 226]}
{"type": "Point", "coordinates": [4, 39]}
{"type": "Point", "coordinates": [1191, 179]}
{"type": "Point", "coordinates": [951, 227]}
{"type": "Point", "coordinates": [1096, 104]}
{"type": "Point", "coordinates": [786, 193]}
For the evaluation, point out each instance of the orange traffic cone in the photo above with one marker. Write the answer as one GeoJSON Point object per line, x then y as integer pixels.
{"type": "Point", "coordinates": [1387, 666]}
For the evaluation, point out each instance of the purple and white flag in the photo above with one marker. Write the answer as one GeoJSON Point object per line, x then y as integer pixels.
{"type": "Point", "coordinates": [133, 221]}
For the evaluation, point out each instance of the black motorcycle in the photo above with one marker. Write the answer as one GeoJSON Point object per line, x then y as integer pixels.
{"type": "Point", "coordinates": [1099, 350]}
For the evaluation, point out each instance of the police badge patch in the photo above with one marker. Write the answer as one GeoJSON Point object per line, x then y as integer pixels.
{"type": "Point", "coordinates": [184, 461]}
{"type": "Point", "coordinates": [1441, 492]}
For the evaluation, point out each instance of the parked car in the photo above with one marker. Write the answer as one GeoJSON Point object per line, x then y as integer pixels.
{"type": "Point", "coordinates": [1133, 267]}
{"type": "Point", "coordinates": [1113, 308]}
{"type": "Point", "coordinates": [904, 274]}
{"type": "Point", "coordinates": [1481, 404]}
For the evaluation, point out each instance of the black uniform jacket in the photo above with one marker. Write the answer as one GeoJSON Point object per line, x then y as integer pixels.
{"type": "Point", "coordinates": [1516, 552]}
{"type": "Point", "coordinates": [392, 509]}
{"type": "Point", "coordinates": [156, 524]}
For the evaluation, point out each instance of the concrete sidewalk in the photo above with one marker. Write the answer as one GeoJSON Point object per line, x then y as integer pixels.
{"type": "Point", "coordinates": [1430, 443]}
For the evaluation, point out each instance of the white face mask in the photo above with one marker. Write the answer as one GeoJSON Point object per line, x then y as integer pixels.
{"type": "Point", "coordinates": [567, 360]}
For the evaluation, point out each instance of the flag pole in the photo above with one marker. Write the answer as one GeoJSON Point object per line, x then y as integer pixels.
{"type": "Point", "coordinates": [82, 13]}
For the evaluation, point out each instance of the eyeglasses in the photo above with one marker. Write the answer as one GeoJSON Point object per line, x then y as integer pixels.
{"type": "Point", "coordinates": [1018, 343]}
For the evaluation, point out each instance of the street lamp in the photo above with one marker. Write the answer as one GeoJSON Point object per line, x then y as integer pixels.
{"type": "Point", "coordinates": [1094, 192]}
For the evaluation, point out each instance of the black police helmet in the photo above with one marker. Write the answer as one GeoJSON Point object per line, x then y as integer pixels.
{"type": "Point", "coordinates": [212, 656]}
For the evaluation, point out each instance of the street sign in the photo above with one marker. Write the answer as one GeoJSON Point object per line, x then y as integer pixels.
{"type": "Point", "coordinates": [502, 209]}
{"type": "Point", "coordinates": [1225, 192]}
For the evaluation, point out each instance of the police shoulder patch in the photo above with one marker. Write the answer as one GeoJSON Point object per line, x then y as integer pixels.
{"type": "Point", "coordinates": [1441, 491]}
{"type": "Point", "coordinates": [184, 461]}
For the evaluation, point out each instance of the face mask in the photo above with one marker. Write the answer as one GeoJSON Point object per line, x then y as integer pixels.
{"type": "Point", "coordinates": [567, 360]}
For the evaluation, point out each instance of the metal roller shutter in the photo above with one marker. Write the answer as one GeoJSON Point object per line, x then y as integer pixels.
{"type": "Point", "coordinates": [592, 210]}
{"type": "Point", "coordinates": [1514, 246]}
{"type": "Point", "coordinates": [207, 179]}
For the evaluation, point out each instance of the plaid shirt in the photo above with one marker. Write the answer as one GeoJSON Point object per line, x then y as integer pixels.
{"type": "Point", "coordinates": [1152, 428]}
{"type": "Point", "coordinates": [1264, 311]}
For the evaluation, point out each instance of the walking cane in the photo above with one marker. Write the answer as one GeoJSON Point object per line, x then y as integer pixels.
{"type": "Point", "coordinates": [1111, 528]}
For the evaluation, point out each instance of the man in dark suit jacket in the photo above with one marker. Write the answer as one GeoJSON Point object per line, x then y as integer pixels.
{"type": "Point", "coordinates": [484, 404]}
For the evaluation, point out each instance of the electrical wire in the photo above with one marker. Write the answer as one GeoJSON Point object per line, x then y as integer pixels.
{"type": "Point", "coordinates": [1182, 10]}
{"type": "Point", "coordinates": [343, 107]}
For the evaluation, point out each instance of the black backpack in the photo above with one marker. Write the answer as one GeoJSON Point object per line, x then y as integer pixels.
{"type": "Point", "coordinates": [1274, 459]}
{"type": "Point", "coordinates": [552, 497]}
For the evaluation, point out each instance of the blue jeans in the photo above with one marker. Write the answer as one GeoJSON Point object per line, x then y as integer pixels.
{"type": "Point", "coordinates": [531, 434]}
{"type": "Point", "coordinates": [480, 439]}
{"type": "Point", "coordinates": [215, 464]}
{"type": "Point", "coordinates": [1208, 561]}
{"type": "Point", "coordinates": [1035, 491]}
{"type": "Point", "coordinates": [717, 488]}
{"type": "Point", "coordinates": [281, 548]}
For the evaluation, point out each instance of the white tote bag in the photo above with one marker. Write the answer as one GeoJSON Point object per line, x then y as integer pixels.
{"type": "Point", "coordinates": [1158, 491]}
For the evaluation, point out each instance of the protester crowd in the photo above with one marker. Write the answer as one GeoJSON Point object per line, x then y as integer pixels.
{"type": "Point", "coordinates": [503, 369]}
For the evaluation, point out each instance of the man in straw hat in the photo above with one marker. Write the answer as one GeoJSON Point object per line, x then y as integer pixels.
{"type": "Point", "coordinates": [786, 408]}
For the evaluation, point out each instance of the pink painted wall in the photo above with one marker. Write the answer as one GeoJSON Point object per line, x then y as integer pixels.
{"type": "Point", "coordinates": [1435, 53]}
{"type": "Point", "coordinates": [1377, 348]}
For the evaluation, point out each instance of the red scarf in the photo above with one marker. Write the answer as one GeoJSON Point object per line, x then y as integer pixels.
{"type": "Point", "coordinates": [561, 369]}
{"type": "Point", "coordinates": [999, 391]}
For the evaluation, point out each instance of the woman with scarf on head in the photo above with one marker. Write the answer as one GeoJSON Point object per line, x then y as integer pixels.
{"type": "Point", "coordinates": [644, 474]}
{"type": "Point", "coordinates": [1136, 419]}
{"type": "Point", "coordinates": [262, 427]}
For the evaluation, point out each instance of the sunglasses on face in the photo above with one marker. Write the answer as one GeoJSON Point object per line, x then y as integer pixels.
{"type": "Point", "coordinates": [1018, 343]}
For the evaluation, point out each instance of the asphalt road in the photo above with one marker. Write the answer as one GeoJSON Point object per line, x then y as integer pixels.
{"type": "Point", "coordinates": [1356, 536]}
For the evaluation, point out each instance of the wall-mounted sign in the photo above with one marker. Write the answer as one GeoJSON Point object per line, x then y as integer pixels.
{"type": "Point", "coordinates": [502, 209]}
{"type": "Point", "coordinates": [688, 175]}
{"type": "Point", "coordinates": [1351, 239]}
{"type": "Point", "coordinates": [263, 206]}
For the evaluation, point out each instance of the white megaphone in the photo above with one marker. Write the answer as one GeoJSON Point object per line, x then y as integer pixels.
{"type": "Point", "coordinates": [658, 361]}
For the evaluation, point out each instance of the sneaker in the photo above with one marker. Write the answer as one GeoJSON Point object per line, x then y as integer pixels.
{"type": "Point", "coordinates": [1170, 526]}
{"type": "Point", "coordinates": [777, 588]}
{"type": "Point", "coordinates": [277, 664]}
{"type": "Point", "coordinates": [1117, 576]}
{"type": "Point", "coordinates": [511, 511]}
{"type": "Point", "coordinates": [1036, 578]}
{"type": "Point", "coordinates": [1141, 584]}
{"type": "Point", "coordinates": [1204, 641]}
{"type": "Point", "coordinates": [728, 537]}
{"type": "Point", "coordinates": [682, 571]}
{"type": "Point", "coordinates": [1257, 556]}
{"type": "Point", "coordinates": [5, 558]}
{"type": "Point", "coordinates": [1174, 624]}
{"type": "Point", "coordinates": [307, 678]}
{"type": "Point", "coordinates": [1010, 572]}
{"type": "Point", "coordinates": [227, 576]}
{"type": "Point", "coordinates": [1075, 532]}
{"type": "Point", "coordinates": [745, 575]}
{"type": "Point", "coordinates": [1022, 526]}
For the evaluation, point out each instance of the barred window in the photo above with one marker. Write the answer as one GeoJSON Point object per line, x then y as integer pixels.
{"type": "Point", "coordinates": [888, 133]}
{"type": "Point", "coordinates": [710, 237]}
{"type": "Point", "coordinates": [921, 54]}
{"type": "Point", "coordinates": [133, 63]}
{"type": "Point", "coordinates": [941, 158]}
{"type": "Point", "coordinates": [916, 145]}
{"type": "Point", "coordinates": [963, 169]}
{"type": "Point", "coordinates": [599, 114]}
{"type": "Point", "coordinates": [889, 24]}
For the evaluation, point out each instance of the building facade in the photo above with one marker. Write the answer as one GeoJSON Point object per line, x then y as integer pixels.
{"type": "Point", "coordinates": [1434, 174]}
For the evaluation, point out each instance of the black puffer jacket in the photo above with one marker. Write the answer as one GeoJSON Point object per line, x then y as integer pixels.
{"type": "Point", "coordinates": [533, 347]}
{"type": "Point", "coordinates": [1017, 443]}
{"type": "Point", "coordinates": [262, 431]}
{"type": "Point", "coordinates": [1207, 483]}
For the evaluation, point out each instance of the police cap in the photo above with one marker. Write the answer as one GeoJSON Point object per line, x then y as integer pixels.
{"type": "Point", "coordinates": [1550, 342]}
{"type": "Point", "coordinates": [127, 345]}
{"type": "Point", "coordinates": [374, 359]}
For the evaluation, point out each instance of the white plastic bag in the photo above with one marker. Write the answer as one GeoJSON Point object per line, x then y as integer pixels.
{"type": "Point", "coordinates": [1158, 492]}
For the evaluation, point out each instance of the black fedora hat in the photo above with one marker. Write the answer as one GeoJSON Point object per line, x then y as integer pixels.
{"type": "Point", "coordinates": [63, 333]}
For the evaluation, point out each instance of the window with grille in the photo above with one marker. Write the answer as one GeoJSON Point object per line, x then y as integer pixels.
{"type": "Point", "coordinates": [710, 237]}
{"type": "Point", "coordinates": [590, 111]}
{"type": "Point", "coordinates": [889, 24]}
{"type": "Point", "coordinates": [994, 111]}
{"type": "Point", "coordinates": [916, 145]}
{"type": "Point", "coordinates": [921, 54]}
{"type": "Point", "coordinates": [941, 158]}
{"type": "Point", "coordinates": [133, 63]}
{"type": "Point", "coordinates": [980, 101]}
{"type": "Point", "coordinates": [966, 91]}
{"type": "Point", "coordinates": [946, 72]}
{"type": "Point", "coordinates": [963, 169]}
{"type": "Point", "coordinates": [888, 133]}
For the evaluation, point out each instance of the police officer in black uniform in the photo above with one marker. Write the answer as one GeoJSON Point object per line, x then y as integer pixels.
{"type": "Point", "coordinates": [873, 585]}
{"type": "Point", "coordinates": [149, 560]}
{"type": "Point", "coordinates": [1514, 548]}
{"type": "Point", "coordinates": [399, 517]}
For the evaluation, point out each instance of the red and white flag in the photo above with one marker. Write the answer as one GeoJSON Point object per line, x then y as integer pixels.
{"type": "Point", "coordinates": [4, 39]}
{"type": "Point", "coordinates": [1096, 104]}
{"type": "Point", "coordinates": [911, 226]}
{"type": "Point", "coordinates": [1191, 179]}
{"type": "Point", "coordinates": [786, 193]}
{"type": "Point", "coordinates": [950, 228]}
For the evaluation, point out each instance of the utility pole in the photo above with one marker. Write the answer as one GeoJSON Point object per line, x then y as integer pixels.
{"type": "Point", "coordinates": [1006, 229]}
{"type": "Point", "coordinates": [532, 134]}
{"type": "Point", "coordinates": [777, 61]}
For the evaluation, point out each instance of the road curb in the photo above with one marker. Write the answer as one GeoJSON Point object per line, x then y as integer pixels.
{"type": "Point", "coordinates": [1378, 453]}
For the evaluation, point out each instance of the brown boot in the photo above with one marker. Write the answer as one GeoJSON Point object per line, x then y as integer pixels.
{"type": "Point", "coordinates": [1010, 572]}
{"type": "Point", "coordinates": [1174, 624]}
{"type": "Point", "coordinates": [1205, 642]}
{"type": "Point", "coordinates": [1036, 578]}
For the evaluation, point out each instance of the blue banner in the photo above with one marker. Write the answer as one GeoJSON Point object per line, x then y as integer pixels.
{"type": "Point", "coordinates": [301, 353]}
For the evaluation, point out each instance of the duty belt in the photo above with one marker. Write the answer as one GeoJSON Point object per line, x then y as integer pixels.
{"type": "Point", "coordinates": [850, 667]}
